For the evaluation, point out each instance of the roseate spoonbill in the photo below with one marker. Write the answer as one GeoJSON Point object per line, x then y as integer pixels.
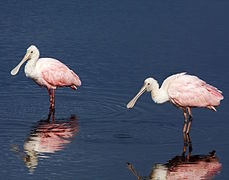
{"type": "Point", "coordinates": [47, 72]}
{"type": "Point", "coordinates": [184, 91]}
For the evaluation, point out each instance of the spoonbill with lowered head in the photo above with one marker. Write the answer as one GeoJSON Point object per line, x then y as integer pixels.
{"type": "Point", "coordinates": [47, 72]}
{"type": "Point", "coordinates": [184, 91]}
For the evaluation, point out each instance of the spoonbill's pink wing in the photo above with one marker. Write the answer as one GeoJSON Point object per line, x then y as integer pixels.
{"type": "Point", "coordinates": [190, 91]}
{"type": "Point", "coordinates": [57, 74]}
{"type": "Point", "coordinates": [170, 79]}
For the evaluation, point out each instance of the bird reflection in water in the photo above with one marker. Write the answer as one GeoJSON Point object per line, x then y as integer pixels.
{"type": "Point", "coordinates": [48, 136]}
{"type": "Point", "coordinates": [184, 166]}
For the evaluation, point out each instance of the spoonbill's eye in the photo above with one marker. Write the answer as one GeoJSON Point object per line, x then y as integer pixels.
{"type": "Point", "coordinates": [31, 51]}
{"type": "Point", "coordinates": [148, 83]}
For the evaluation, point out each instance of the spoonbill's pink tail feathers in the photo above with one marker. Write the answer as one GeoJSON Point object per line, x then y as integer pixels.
{"type": "Point", "coordinates": [74, 87]}
{"type": "Point", "coordinates": [213, 90]}
{"type": "Point", "coordinates": [216, 96]}
{"type": "Point", "coordinates": [77, 81]}
{"type": "Point", "coordinates": [212, 108]}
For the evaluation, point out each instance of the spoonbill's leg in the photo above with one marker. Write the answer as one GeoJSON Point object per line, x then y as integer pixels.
{"type": "Point", "coordinates": [51, 113]}
{"type": "Point", "coordinates": [189, 147]}
{"type": "Point", "coordinates": [185, 120]}
{"type": "Point", "coordinates": [51, 99]}
{"type": "Point", "coordinates": [187, 143]}
{"type": "Point", "coordinates": [190, 119]}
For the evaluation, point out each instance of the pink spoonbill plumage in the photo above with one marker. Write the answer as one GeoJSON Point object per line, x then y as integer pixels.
{"type": "Point", "coordinates": [184, 91]}
{"type": "Point", "coordinates": [47, 72]}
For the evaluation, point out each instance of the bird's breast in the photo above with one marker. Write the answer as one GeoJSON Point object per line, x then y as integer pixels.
{"type": "Point", "coordinates": [31, 71]}
{"type": "Point", "coordinates": [160, 96]}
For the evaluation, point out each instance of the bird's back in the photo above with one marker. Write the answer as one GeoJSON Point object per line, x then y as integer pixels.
{"type": "Point", "coordinates": [56, 73]}
{"type": "Point", "coordinates": [190, 91]}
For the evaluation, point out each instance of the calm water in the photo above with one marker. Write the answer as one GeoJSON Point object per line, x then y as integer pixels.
{"type": "Point", "coordinates": [113, 46]}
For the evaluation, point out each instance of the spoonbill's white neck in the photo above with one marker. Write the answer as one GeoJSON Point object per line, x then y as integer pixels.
{"type": "Point", "coordinates": [30, 67]}
{"type": "Point", "coordinates": [159, 96]}
{"type": "Point", "coordinates": [32, 61]}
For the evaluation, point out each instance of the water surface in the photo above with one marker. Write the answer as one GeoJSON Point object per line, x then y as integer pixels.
{"type": "Point", "coordinates": [113, 46]}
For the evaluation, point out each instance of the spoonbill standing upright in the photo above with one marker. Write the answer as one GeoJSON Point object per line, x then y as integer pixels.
{"type": "Point", "coordinates": [47, 72]}
{"type": "Point", "coordinates": [184, 91]}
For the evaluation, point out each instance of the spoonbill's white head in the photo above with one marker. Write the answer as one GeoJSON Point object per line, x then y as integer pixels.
{"type": "Point", "coordinates": [149, 85]}
{"type": "Point", "coordinates": [31, 53]}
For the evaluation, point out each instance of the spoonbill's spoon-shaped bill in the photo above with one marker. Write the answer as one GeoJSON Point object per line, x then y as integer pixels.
{"type": "Point", "coordinates": [134, 100]}
{"type": "Point", "coordinates": [17, 68]}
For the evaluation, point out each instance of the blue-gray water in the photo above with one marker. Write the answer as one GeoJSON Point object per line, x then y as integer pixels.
{"type": "Point", "coordinates": [113, 46]}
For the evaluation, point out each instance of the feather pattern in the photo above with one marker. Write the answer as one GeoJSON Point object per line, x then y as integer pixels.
{"type": "Point", "coordinates": [56, 74]}
{"type": "Point", "coordinates": [190, 91]}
